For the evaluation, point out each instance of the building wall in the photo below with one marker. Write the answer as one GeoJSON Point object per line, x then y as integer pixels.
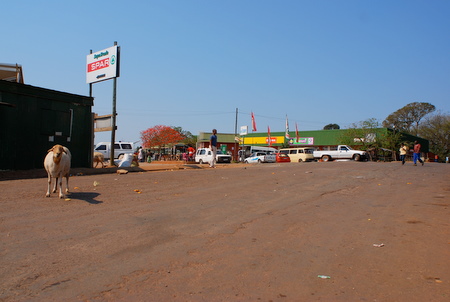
{"type": "Point", "coordinates": [33, 119]}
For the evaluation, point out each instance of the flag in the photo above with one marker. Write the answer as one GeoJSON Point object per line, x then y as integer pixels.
{"type": "Point", "coordinates": [287, 129]}
{"type": "Point", "coordinates": [253, 122]}
{"type": "Point", "coordinates": [268, 134]}
{"type": "Point", "coordinates": [296, 131]}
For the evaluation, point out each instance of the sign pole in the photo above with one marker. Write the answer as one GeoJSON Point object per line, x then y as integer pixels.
{"type": "Point", "coordinates": [236, 151]}
{"type": "Point", "coordinates": [114, 113]}
{"type": "Point", "coordinates": [91, 156]}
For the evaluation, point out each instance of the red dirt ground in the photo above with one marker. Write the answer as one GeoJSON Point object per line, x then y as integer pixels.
{"type": "Point", "coordinates": [243, 233]}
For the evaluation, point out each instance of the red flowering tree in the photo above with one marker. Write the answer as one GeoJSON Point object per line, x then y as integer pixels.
{"type": "Point", "coordinates": [159, 136]}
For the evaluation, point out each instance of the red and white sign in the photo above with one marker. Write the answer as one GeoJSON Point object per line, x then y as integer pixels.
{"type": "Point", "coordinates": [102, 65]}
{"type": "Point", "coordinates": [98, 65]}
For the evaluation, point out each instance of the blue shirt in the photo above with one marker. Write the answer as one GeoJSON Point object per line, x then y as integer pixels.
{"type": "Point", "coordinates": [213, 140]}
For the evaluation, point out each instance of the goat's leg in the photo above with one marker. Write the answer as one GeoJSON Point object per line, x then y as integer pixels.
{"type": "Point", "coordinates": [56, 184]}
{"type": "Point", "coordinates": [49, 185]}
{"type": "Point", "coordinates": [60, 179]}
{"type": "Point", "coordinates": [67, 183]}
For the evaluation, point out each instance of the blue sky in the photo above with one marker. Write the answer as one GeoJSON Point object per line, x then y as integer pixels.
{"type": "Point", "coordinates": [191, 63]}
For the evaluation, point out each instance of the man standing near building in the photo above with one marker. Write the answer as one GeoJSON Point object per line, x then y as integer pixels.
{"type": "Point", "coordinates": [213, 146]}
{"type": "Point", "coordinates": [416, 155]}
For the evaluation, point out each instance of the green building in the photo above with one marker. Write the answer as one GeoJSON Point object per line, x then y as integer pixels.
{"type": "Point", "coordinates": [323, 139]}
{"type": "Point", "coordinates": [319, 139]}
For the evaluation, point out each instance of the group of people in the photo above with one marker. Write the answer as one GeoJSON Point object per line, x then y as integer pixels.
{"type": "Point", "coordinates": [416, 153]}
{"type": "Point", "coordinates": [189, 155]}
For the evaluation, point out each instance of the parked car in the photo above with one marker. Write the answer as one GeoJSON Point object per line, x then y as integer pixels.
{"type": "Point", "coordinates": [120, 149]}
{"type": "Point", "coordinates": [204, 155]}
{"type": "Point", "coordinates": [261, 157]}
{"type": "Point", "coordinates": [299, 154]}
{"type": "Point", "coordinates": [247, 151]}
{"type": "Point", "coordinates": [341, 152]}
{"type": "Point", "coordinates": [283, 158]}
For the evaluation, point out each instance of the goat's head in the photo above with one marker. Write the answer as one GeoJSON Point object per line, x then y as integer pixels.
{"type": "Point", "coordinates": [57, 150]}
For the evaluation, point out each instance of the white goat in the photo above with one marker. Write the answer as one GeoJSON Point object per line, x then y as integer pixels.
{"type": "Point", "coordinates": [99, 158]}
{"type": "Point", "coordinates": [57, 165]}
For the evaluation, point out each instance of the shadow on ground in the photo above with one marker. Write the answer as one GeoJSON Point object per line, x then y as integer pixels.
{"type": "Point", "coordinates": [89, 197]}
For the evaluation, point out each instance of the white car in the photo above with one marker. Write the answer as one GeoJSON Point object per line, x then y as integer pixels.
{"type": "Point", "coordinates": [261, 157]}
{"type": "Point", "coordinates": [120, 149]}
{"type": "Point", "coordinates": [204, 155]}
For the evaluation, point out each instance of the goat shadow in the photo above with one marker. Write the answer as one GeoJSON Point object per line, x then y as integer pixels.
{"type": "Point", "coordinates": [89, 197]}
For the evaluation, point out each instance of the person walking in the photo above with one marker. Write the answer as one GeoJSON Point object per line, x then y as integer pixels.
{"type": "Point", "coordinates": [213, 145]}
{"type": "Point", "coordinates": [416, 154]}
{"type": "Point", "coordinates": [141, 155]}
{"type": "Point", "coordinates": [403, 151]}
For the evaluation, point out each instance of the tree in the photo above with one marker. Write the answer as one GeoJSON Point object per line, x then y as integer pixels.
{"type": "Point", "coordinates": [436, 129]}
{"type": "Point", "coordinates": [159, 136]}
{"type": "Point", "coordinates": [331, 127]}
{"type": "Point", "coordinates": [189, 138]}
{"type": "Point", "coordinates": [370, 137]}
{"type": "Point", "coordinates": [407, 118]}
{"type": "Point", "coordinates": [362, 133]}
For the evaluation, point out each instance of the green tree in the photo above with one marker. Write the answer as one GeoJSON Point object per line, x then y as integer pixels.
{"type": "Point", "coordinates": [362, 133]}
{"type": "Point", "coordinates": [436, 129]}
{"type": "Point", "coordinates": [331, 127]}
{"type": "Point", "coordinates": [369, 136]}
{"type": "Point", "coordinates": [189, 138]}
{"type": "Point", "coordinates": [407, 119]}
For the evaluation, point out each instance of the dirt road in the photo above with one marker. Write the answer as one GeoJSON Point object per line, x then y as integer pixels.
{"type": "Point", "coordinates": [249, 233]}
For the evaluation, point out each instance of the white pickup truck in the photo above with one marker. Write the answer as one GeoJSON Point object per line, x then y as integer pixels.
{"type": "Point", "coordinates": [261, 157]}
{"type": "Point", "coordinates": [342, 152]}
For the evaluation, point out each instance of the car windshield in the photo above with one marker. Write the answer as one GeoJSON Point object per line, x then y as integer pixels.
{"type": "Point", "coordinates": [219, 152]}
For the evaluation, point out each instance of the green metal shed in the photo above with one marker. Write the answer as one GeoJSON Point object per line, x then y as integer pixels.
{"type": "Point", "coordinates": [33, 119]}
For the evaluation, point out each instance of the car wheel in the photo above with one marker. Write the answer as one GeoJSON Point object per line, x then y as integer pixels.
{"type": "Point", "coordinates": [300, 160]}
{"type": "Point", "coordinates": [259, 161]}
{"type": "Point", "coordinates": [357, 157]}
{"type": "Point", "coordinates": [326, 158]}
{"type": "Point", "coordinates": [200, 161]}
{"type": "Point", "coordinates": [245, 161]}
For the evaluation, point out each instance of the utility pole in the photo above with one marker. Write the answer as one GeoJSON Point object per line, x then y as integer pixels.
{"type": "Point", "coordinates": [236, 151]}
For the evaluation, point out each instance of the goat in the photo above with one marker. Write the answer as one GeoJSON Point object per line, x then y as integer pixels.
{"type": "Point", "coordinates": [57, 165]}
{"type": "Point", "coordinates": [99, 158]}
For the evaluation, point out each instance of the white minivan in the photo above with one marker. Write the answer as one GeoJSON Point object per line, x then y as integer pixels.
{"type": "Point", "coordinates": [204, 155]}
{"type": "Point", "coordinates": [299, 154]}
{"type": "Point", "coordinates": [120, 149]}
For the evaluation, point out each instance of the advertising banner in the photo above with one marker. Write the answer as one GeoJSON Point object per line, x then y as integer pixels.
{"type": "Point", "coordinates": [301, 141]}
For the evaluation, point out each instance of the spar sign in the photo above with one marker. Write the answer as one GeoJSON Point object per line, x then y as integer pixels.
{"type": "Point", "coordinates": [102, 65]}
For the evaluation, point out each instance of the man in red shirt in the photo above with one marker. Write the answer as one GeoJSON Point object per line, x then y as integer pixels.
{"type": "Point", "coordinates": [416, 154]}
{"type": "Point", "coordinates": [191, 152]}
